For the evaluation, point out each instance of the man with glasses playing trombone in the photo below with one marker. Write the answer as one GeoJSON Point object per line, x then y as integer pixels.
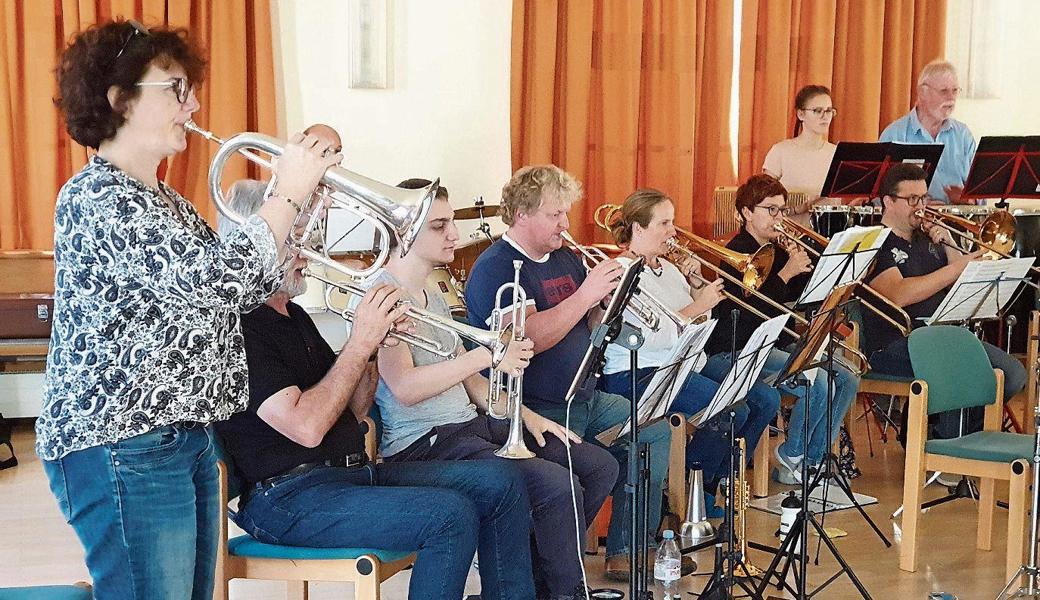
{"type": "Point", "coordinates": [915, 268]}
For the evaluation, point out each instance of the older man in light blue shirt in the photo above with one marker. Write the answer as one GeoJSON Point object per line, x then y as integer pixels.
{"type": "Point", "coordinates": [929, 122]}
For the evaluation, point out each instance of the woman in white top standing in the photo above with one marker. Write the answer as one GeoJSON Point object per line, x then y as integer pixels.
{"type": "Point", "coordinates": [801, 162]}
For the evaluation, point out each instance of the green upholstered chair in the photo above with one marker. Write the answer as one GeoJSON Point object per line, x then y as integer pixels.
{"type": "Point", "coordinates": [80, 591]}
{"type": "Point", "coordinates": [243, 557]}
{"type": "Point", "coordinates": [953, 372]}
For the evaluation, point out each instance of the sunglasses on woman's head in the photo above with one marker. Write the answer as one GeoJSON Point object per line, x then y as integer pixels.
{"type": "Point", "coordinates": [135, 30]}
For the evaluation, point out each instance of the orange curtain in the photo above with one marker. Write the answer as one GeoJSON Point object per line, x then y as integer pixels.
{"type": "Point", "coordinates": [625, 95]}
{"type": "Point", "coordinates": [38, 156]}
{"type": "Point", "coordinates": [868, 53]}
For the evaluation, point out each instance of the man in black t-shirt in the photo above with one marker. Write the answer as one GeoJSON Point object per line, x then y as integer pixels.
{"type": "Point", "coordinates": [915, 268]}
{"type": "Point", "coordinates": [300, 449]}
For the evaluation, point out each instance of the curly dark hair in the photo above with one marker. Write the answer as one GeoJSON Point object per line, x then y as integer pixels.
{"type": "Point", "coordinates": [116, 53]}
{"type": "Point", "coordinates": [756, 189]}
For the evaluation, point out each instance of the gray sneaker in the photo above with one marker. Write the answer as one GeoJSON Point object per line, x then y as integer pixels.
{"type": "Point", "coordinates": [788, 470]}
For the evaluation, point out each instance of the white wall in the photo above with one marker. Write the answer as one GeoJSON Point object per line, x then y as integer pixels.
{"type": "Point", "coordinates": [446, 113]}
{"type": "Point", "coordinates": [1015, 112]}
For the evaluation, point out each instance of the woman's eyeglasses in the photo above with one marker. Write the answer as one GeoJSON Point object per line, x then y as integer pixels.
{"type": "Point", "coordinates": [179, 85]}
{"type": "Point", "coordinates": [136, 29]}
{"type": "Point", "coordinates": [820, 111]}
{"type": "Point", "coordinates": [775, 210]}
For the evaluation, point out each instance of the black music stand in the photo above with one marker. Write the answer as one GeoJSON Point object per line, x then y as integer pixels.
{"type": "Point", "coordinates": [1005, 167]}
{"type": "Point", "coordinates": [613, 329]}
{"type": "Point", "coordinates": [858, 167]}
{"type": "Point", "coordinates": [820, 336]}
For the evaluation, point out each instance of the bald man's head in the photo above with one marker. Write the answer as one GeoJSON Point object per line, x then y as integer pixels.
{"type": "Point", "coordinates": [327, 135]}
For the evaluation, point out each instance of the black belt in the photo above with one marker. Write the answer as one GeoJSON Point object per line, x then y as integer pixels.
{"type": "Point", "coordinates": [350, 461]}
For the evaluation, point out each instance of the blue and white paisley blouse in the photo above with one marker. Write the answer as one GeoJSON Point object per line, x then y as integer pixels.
{"type": "Point", "coordinates": [146, 312]}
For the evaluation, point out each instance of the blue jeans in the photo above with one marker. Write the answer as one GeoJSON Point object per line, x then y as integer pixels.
{"type": "Point", "coordinates": [557, 536]}
{"type": "Point", "coordinates": [845, 387]}
{"type": "Point", "coordinates": [443, 511]}
{"type": "Point", "coordinates": [710, 444]}
{"type": "Point", "coordinates": [762, 401]}
{"type": "Point", "coordinates": [596, 415]}
{"type": "Point", "coordinates": [145, 510]}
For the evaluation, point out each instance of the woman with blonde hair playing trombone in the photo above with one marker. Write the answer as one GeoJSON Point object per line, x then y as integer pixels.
{"type": "Point", "coordinates": [642, 227]}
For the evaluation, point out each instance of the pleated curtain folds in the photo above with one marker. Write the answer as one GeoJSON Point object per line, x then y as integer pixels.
{"type": "Point", "coordinates": [628, 94]}
{"type": "Point", "coordinates": [36, 154]}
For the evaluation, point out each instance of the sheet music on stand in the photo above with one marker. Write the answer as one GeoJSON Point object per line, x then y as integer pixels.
{"type": "Point", "coordinates": [746, 369]}
{"type": "Point", "coordinates": [669, 378]}
{"type": "Point", "coordinates": [982, 290]}
{"type": "Point", "coordinates": [846, 259]}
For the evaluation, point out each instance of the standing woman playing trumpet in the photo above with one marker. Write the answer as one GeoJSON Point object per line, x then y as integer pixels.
{"type": "Point", "coordinates": [146, 348]}
{"type": "Point", "coordinates": [642, 227]}
{"type": "Point", "coordinates": [435, 408]}
{"type": "Point", "coordinates": [761, 205]}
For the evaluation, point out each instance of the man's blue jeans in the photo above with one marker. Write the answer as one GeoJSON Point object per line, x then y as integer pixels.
{"type": "Point", "coordinates": [845, 386]}
{"type": "Point", "coordinates": [710, 444]}
{"type": "Point", "coordinates": [441, 510]}
{"type": "Point", "coordinates": [145, 510]}
{"type": "Point", "coordinates": [598, 414]}
{"type": "Point", "coordinates": [762, 401]}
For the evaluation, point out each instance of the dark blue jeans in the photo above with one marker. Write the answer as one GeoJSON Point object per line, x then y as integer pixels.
{"type": "Point", "coordinates": [145, 510]}
{"type": "Point", "coordinates": [710, 444]}
{"type": "Point", "coordinates": [558, 554]}
{"type": "Point", "coordinates": [442, 511]}
{"type": "Point", "coordinates": [599, 414]}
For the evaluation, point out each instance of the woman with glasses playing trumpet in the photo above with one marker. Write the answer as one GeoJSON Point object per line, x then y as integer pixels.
{"type": "Point", "coordinates": [761, 205]}
{"type": "Point", "coordinates": [146, 348]}
{"type": "Point", "coordinates": [643, 227]}
{"type": "Point", "coordinates": [435, 408]}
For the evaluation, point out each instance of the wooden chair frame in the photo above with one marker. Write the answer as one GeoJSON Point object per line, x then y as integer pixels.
{"type": "Point", "coordinates": [366, 572]}
{"type": "Point", "coordinates": [918, 461]}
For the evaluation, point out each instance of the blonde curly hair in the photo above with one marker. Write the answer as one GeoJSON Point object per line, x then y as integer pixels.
{"type": "Point", "coordinates": [524, 191]}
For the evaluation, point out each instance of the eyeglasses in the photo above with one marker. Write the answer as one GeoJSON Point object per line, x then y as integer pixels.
{"type": "Point", "coordinates": [180, 86]}
{"type": "Point", "coordinates": [949, 91]}
{"type": "Point", "coordinates": [776, 210]}
{"type": "Point", "coordinates": [914, 200]}
{"type": "Point", "coordinates": [819, 111]}
{"type": "Point", "coordinates": [136, 29]}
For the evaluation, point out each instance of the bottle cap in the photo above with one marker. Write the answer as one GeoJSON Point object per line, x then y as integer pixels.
{"type": "Point", "coordinates": [668, 534]}
{"type": "Point", "coordinates": [791, 501]}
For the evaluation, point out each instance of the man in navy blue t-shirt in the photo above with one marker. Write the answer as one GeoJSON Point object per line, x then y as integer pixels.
{"type": "Point", "coordinates": [561, 295]}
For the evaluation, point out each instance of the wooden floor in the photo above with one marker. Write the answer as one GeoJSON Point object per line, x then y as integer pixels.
{"type": "Point", "coordinates": [37, 547]}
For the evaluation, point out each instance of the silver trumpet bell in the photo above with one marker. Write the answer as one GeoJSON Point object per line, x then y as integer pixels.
{"type": "Point", "coordinates": [696, 526]}
{"type": "Point", "coordinates": [391, 210]}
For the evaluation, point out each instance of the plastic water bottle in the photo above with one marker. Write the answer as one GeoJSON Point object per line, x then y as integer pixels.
{"type": "Point", "coordinates": [668, 566]}
{"type": "Point", "coordinates": [789, 509]}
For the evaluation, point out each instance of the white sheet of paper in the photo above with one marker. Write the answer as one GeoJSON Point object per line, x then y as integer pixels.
{"type": "Point", "coordinates": [672, 374]}
{"type": "Point", "coordinates": [747, 368]}
{"type": "Point", "coordinates": [983, 288]}
{"type": "Point", "coordinates": [862, 243]}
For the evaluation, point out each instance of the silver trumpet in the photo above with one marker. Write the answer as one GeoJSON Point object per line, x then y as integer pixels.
{"type": "Point", "coordinates": [391, 210]}
{"type": "Point", "coordinates": [495, 341]}
{"type": "Point", "coordinates": [514, 446]}
{"type": "Point", "coordinates": [646, 307]}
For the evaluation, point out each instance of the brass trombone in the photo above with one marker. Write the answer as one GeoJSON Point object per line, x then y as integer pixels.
{"type": "Point", "coordinates": [996, 234]}
{"type": "Point", "coordinates": [755, 267]}
{"type": "Point", "coordinates": [795, 232]}
{"type": "Point", "coordinates": [678, 248]}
